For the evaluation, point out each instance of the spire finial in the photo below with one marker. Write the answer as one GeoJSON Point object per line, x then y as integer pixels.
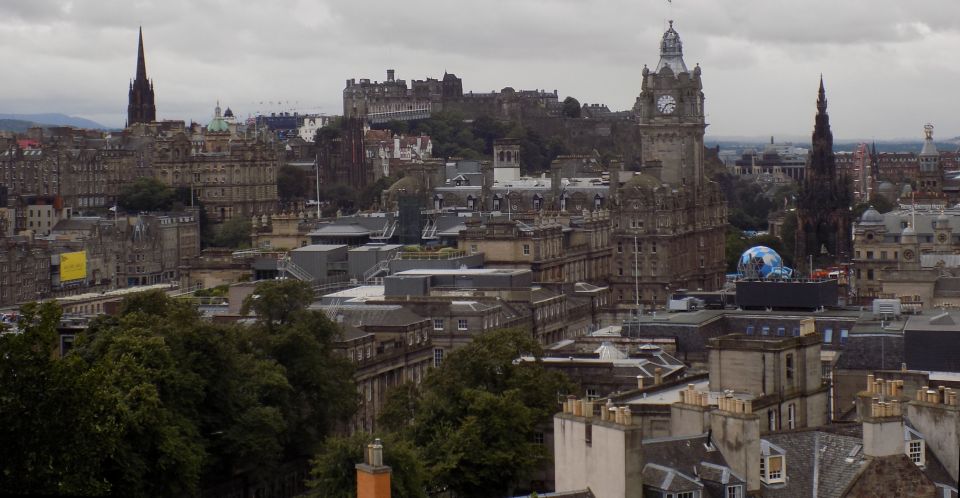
{"type": "Point", "coordinates": [821, 97]}
{"type": "Point", "coordinates": [141, 62]}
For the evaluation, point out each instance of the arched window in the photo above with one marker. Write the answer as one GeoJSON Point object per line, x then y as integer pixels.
{"type": "Point", "coordinates": [496, 202]}
{"type": "Point", "coordinates": [597, 201]}
{"type": "Point", "coordinates": [471, 204]}
{"type": "Point", "coordinates": [501, 156]}
{"type": "Point", "coordinates": [509, 157]}
{"type": "Point", "coordinates": [537, 202]}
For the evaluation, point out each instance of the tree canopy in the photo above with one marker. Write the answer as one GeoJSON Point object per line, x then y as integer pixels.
{"type": "Point", "coordinates": [475, 417]}
{"type": "Point", "coordinates": [571, 108]}
{"type": "Point", "coordinates": [156, 401]}
{"type": "Point", "coordinates": [150, 194]}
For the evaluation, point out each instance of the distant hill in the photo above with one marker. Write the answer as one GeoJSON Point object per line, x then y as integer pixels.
{"type": "Point", "coordinates": [15, 125]}
{"type": "Point", "coordinates": [52, 119]}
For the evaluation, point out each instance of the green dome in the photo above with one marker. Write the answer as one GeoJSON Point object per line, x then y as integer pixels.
{"type": "Point", "coordinates": [218, 124]}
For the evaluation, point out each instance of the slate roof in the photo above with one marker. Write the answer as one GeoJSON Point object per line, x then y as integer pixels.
{"type": "Point", "coordinates": [872, 352]}
{"type": "Point", "coordinates": [686, 464]}
{"type": "Point", "coordinates": [379, 316]}
{"type": "Point", "coordinates": [818, 463]}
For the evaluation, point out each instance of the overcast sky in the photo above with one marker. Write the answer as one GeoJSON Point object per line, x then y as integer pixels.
{"type": "Point", "coordinates": [890, 66]}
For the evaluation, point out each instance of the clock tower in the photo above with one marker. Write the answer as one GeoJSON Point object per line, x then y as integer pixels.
{"type": "Point", "coordinates": [670, 114]}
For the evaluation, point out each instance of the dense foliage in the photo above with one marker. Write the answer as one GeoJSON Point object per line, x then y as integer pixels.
{"type": "Point", "coordinates": [234, 233]}
{"type": "Point", "coordinates": [149, 194]}
{"type": "Point", "coordinates": [453, 136]}
{"type": "Point", "coordinates": [475, 417]}
{"type": "Point", "coordinates": [571, 108]}
{"type": "Point", "coordinates": [158, 402]}
{"type": "Point", "coordinates": [749, 203]}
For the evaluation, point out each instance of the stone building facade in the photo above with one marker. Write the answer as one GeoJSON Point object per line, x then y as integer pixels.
{"type": "Point", "coordinates": [669, 219]}
{"type": "Point", "coordinates": [562, 250]}
{"type": "Point", "coordinates": [230, 169]}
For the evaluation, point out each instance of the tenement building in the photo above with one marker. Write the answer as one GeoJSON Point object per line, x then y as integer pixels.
{"type": "Point", "coordinates": [230, 169]}
{"type": "Point", "coordinates": [668, 217]}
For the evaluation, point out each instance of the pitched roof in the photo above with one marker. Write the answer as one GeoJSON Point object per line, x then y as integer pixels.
{"type": "Point", "coordinates": [818, 463]}
{"type": "Point", "coordinates": [872, 351]}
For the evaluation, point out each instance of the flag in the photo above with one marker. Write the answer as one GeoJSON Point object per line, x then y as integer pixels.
{"type": "Point", "coordinates": [114, 208]}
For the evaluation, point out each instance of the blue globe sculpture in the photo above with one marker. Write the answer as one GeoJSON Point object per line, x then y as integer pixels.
{"type": "Point", "coordinates": [762, 262]}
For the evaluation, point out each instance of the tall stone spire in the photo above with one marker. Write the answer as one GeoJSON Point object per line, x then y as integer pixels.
{"type": "Point", "coordinates": [824, 200]}
{"type": "Point", "coordinates": [141, 63]}
{"type": "Point", "coordinates": [821, 156]}
{"type": "Point", "coordinates": [141, 107]}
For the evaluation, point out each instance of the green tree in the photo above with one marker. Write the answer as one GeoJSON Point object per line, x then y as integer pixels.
{"type": "Point", "coordinates": [571, 108]}
{"type": "Point", "coordinates": [735, 244]}
{"type": "Point", "coordinates": [146, 194]}
{"type": "Point", "coordinates": [476, 416]}
{"type": "Point", "coordinates": [335, 476]}
{"type": "Point", "coordinates": [292, 183]}
{"type": "Point", "coordinates": [58, 425]}
{"type": "Point", "coordinates": [879, 202]}
{"type": "Point", "coordinates": [197, 404]}
{"type": "Point", "coordinates": [234, 233]}
{"type": "Point", "coordinates": [302, 342]}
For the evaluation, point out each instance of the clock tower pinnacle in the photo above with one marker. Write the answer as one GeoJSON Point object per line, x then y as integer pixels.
{"type": "Point", "coordinates": [670, 115]}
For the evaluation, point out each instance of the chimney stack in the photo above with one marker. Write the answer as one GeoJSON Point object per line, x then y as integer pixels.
{"type": "Point", "coordinates": [373, 477]}
{"type": "Point", "coordinates": [657, 376]}
{"type": "Point", "coordinates": [390, 74]}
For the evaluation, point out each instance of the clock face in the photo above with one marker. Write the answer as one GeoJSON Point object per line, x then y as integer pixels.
{"type": "Point", "coordinates": [666, 104]}
{"type": "Point", "coordinates": [908, 254]}
{"type": "Point", "coordinates": [942, 237]}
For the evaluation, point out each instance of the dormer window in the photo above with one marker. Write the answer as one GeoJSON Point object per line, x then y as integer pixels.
{"type": "Point", "coordinates": [914, 450]}
{"type": "Point", "coordinates": [772, 469]}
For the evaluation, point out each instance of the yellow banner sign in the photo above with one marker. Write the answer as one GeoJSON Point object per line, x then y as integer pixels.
{"type": "Point", "coordinates": [73, 266]}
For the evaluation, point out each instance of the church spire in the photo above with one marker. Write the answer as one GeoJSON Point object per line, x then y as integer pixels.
{"type": "Point", "coordinates": [821, 98]}
{"type": "Point", "coordinates": [141, 63]}
{"type": "Point", "coordinates": [140, 106]}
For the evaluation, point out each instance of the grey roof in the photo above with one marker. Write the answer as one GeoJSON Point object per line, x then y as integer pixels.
{"type": "Point", "coordinates": [819, 461]}
{"type": "Point", "coordinates": [945, 321]}
{"type": "Point", "coordinates": [379, 316]}
{"type": "Point", "coordinates": [668, 479]}
{"type": "Point", "coordinates": [686, 454]}
{"type": "Point", "coordinates": [319, 248]}
{"type": "Point", "coordinates": [340, 230]}
{"type": "Point", "coordinates": [872, 352]}
{"type": "Point", "coordinates": [76, 224]}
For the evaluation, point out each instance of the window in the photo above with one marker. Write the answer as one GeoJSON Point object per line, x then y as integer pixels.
{"type": "Point", "coordinates": [775, 470]}
{"type": "Point", "coordinates": [869, 254]}
{"type": "Point", "coordinates": [869, 274]}
{"type": "Point", "coordinates": [735, 491]}
{"type": "Point", "coordinates": [438, 324]}
{"type": "Point", "coordinates": [771, 420]}
{"type": "Point", "coordinates": [792, 416]}
{"type": "Point", "coordinates": [790, 368]}
{"type": "Point", "coordinates": [749, 329]}
{"type": "Point", "coordinates": [915, 451]}
{"type": "Point", "coordinates": [473, 248]}
{"type": "Point", "coordinates": [765, 330]}
{"type": "Point", "coordinates": [686, 494]}
{"type": "Point", "coordinates": [462, 324]}
{"type": "Point", "coordinates": [843, 335]}
{"type": "Point", "coordinates": [538, 438]}
{"type": "Point", "coordinates": [796, 331]}
{"type": "Point", "coordinates": [526, 249]}
{"type": "Point", "coordinates": [592, 394]}
{"type": "Point", "coordinates": [437, 357]}
{"type": "Point", "coordinates": [827, 335]}
{"type": "Point", "coordinates": [653, 247]}
{"type": "Point", "coordinates": [781, 331]}
{"type": "Point", "coordinates": [588, 433]}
